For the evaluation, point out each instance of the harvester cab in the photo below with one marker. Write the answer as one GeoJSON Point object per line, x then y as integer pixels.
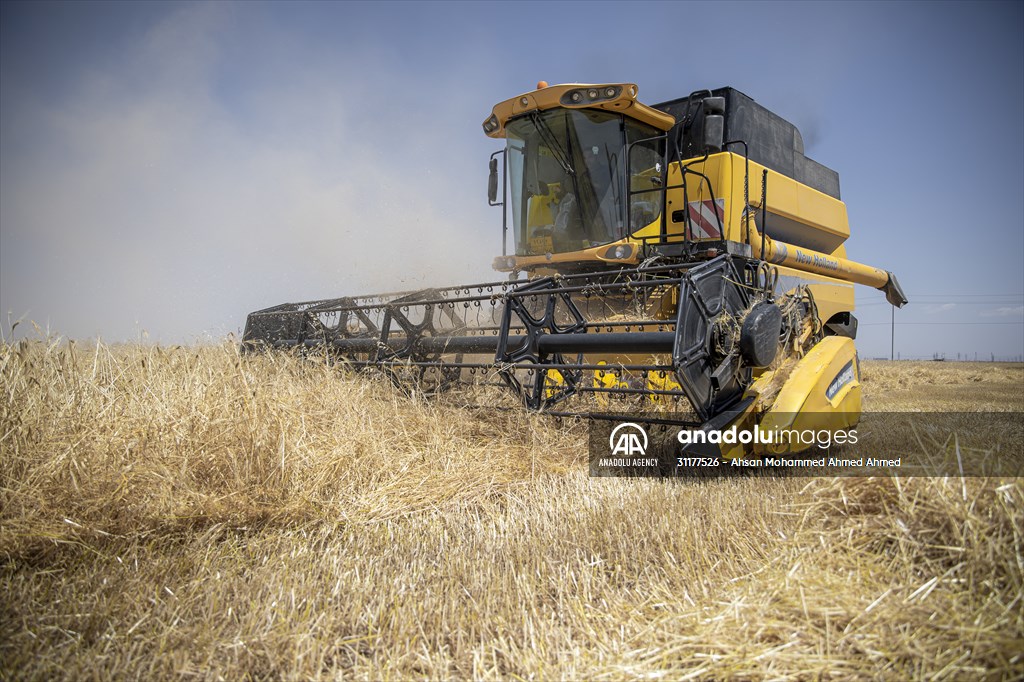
{"type": "Point", "coordinates": [655, 284]}
{"type": "Point", "coordinates": [583, 166]}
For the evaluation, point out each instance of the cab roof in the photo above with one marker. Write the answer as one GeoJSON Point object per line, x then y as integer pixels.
{"type": "Point", "coordinates": [619, 97]}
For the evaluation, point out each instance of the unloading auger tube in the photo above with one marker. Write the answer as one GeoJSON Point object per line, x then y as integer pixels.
{"type": "Point", "coordinates": [780, 253]}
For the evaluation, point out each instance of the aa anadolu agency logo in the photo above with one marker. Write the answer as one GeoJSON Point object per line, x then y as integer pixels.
{"type": "Point", "coordinates": [628, 444]}
{"type": "Point", "coordinates": [628, 440]}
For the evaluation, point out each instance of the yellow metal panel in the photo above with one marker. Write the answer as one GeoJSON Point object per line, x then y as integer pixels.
{"type": "Point", "coordinates": [721, 177]}
{"type": "Point", "coordinates": [795, 201]}
{"type": "Point", "coordinates": [831, 296]}
{"type": "Point", "coordinates": [823, 392]}
{"type": "Point", "coordinates": [716, 184]}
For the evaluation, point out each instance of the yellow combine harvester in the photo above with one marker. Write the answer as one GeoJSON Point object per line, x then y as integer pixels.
{"type": "Point", "coordinates": [642, 275]}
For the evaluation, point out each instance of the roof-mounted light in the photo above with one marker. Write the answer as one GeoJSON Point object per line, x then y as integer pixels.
{"type": "Point", "coordinates": [589, 96]}
{"type": "Point", "coordinates": [491, 124]}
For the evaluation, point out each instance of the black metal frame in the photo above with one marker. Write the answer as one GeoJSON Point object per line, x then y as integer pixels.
{"type": "Point", "coordinates": [534, 328]}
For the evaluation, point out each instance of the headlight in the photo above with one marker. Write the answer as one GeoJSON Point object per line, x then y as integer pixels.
{"type": "Point", "coordinates": [504, 263]}
{"type": "Point", "coordinates": [619, 252]}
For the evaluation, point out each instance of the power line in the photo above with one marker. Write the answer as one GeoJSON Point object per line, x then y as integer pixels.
{"type": "Point", "coordinates": [1017, 324]}
{"type": "Point", "coordinates": [1003, 295]}
{"type": "Point", "coordinates": [1004, 303]}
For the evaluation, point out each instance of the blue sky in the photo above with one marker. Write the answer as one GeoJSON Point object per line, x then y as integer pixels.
{"type": "Point", "coordinates": [167, 168]}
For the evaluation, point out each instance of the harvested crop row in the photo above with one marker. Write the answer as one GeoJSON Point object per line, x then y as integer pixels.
{"type": "Point", "coordinates": [170, 511]}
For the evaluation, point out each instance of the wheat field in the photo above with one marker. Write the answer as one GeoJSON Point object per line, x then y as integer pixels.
{"type": "Point", "coordinates": [187, 512]}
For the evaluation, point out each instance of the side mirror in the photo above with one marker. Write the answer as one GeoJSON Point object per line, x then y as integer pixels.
{"type": "Point", "coordinates": [713, 105]}
{"type": "Point", "coordinates": [714, 123]}
{"type": "Point", "coordinates": [714, 133]}
{"type": "Point", "coordinates": [492, 182]}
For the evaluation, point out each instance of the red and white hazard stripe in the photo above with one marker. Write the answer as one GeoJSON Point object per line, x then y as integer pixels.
{"type": "Point", "coordinates": [706, 217]}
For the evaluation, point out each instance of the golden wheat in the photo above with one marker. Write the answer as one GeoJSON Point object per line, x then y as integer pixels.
{"type": "Point", "coordinates": [172, 512]}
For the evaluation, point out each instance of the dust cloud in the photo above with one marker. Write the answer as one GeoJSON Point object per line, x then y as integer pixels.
{"type": "Point", "coordinates": [172, 190]}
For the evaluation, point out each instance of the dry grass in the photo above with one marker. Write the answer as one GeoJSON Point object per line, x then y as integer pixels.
{"type": "Point", "coordinates": [179, 512]}
{"type": "Point", "coordinates": [944, 386]}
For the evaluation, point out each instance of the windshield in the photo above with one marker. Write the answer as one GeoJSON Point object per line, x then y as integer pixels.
{"type": "Point", "coordinates": [567, 171]}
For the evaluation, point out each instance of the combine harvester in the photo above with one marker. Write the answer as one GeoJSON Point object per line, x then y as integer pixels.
{"type": "Point", "coordinates": [641, 272]}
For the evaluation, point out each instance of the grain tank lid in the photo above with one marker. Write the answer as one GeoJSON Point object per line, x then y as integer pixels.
{"type": "Point", "coordinates": [772, 141]}
{"type": "Point", "coordinates": [608, 96]}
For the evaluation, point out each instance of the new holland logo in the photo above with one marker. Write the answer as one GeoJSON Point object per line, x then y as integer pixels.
{"type": "Point", "coordinates": [845, 376]}
{"type": "Point", "coordinates": [629, 440]}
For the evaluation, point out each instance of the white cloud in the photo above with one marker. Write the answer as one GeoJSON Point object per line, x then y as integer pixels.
{"type": "Point", "coordinates": [1004, 311]}
{"type": "Point", "coordinates": [146, 197]}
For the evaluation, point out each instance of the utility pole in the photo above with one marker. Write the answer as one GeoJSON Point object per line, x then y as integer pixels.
{"type": "Point", "coordinates": [892, 336]}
